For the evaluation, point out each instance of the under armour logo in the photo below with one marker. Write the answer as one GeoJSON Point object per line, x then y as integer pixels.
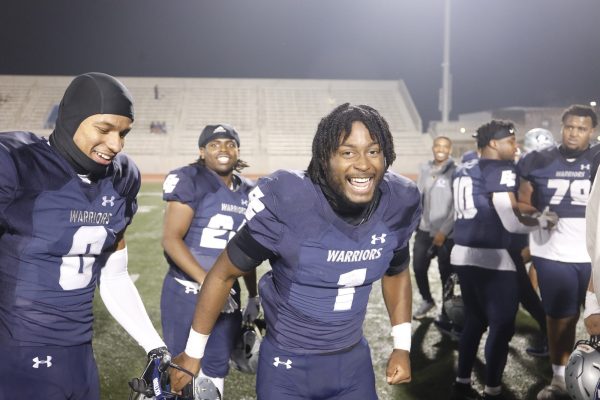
{"type": "Point", "coordinates": [245, 202]}
{"type": "Point", "coordinates": [584, 166]}
{"type": "Point", "coordinates": [277, 362]}
{"type": "Point", "coordinates": [380, 239]}
{"type": "Point", "coordinates": [190, 287]}
{"type": "Point", "coordinates": [106, 201]}
{"type": "Point", "coordinates": [37, 362]}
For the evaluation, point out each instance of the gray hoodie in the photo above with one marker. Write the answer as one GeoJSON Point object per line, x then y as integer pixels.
{"type": "Point", "coordinates": [435, 184]}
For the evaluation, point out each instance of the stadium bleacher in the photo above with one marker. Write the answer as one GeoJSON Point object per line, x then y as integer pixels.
{"type": "Point", "coordinates": [276, 118]}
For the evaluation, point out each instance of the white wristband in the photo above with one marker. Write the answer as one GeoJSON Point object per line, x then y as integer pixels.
{"type": "Point", "coordinates": [196, 344]}
{"type": "Point", "coordinates": [402, 334]}
{"type": "Point", "coordinates": [591, 304]}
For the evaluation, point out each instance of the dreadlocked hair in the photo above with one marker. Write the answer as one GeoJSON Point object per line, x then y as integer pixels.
{"type": "Point", "coordinates": [335, 128]}
{"type": "Point", "coordinates": [239, 165]}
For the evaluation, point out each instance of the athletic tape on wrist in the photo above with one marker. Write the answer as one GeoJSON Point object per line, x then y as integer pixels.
{"type": "Point", "coordinates": [196, 344]}
{"type": "Point", "coordinates": [402, 334]}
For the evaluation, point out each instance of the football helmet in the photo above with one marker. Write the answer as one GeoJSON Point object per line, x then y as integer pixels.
{"type": "Point", "coordinates": [453, 302]}
{"type": "Point", "coordinates": [582, 374]}
{"type": "Point", "coordinates": [154, 383]}
{"type": "Point", "coordinates": [244, 356]}
{"type": "Point", "coordinates": [538, 139]}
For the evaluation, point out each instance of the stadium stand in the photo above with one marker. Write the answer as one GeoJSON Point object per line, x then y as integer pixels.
{"type": "Point", "coordinates": [276, 118]}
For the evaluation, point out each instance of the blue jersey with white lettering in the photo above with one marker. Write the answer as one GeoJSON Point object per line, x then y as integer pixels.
{"type": "Point", "coordinates": [562, 185]}
{"type": "Point", "coordinates": [316, 295]}
{"type": "Point", "coordinates": [559, 183]}
{"type": "Point", "coordinates": [57, 232]}
{"type": "Point", "coordinates": [218, 211]}
{"type": "Point", "coordinates": [477, 222]}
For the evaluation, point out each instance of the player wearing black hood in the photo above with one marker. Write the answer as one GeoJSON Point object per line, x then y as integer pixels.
{"type": "Point", "coordinates": [64, 207]}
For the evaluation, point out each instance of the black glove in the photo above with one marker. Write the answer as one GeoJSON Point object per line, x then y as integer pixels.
{"type": "Point", "coordinates": [163, 355]}
{"type": "Point", "coordinates": [432, 251]}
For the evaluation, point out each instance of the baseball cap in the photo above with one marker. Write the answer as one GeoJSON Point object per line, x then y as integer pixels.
{"type": "Point", "coordinates": [212, 132]}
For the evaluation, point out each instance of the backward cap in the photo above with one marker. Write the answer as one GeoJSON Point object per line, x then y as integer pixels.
{"type": "Point", "coordinates": [212, 132]}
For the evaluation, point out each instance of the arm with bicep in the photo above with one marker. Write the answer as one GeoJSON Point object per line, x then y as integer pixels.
{"type": "Point", "coordinates": [123, 301]}
{"type": "Point", "coordinates": [177, 221]}
{"type": "Point", "coordinates": [513, 221]}
{"type": "Point", "coordinates": [525, 194]}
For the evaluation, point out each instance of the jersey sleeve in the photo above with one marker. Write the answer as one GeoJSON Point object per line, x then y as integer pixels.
{"type": "Point", "coordinates": [500, 177]}
{"type": "Point", "coordinates": [262, 214]}
{"type": "Point", "coordinates": [179, 186]}
{"type": "Point", "coordinates": [405, 214]}
{"type": "Point", "coordinates": [8, 184]}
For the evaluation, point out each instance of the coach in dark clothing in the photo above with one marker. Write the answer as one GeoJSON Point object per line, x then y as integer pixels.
{"type": "Point", "coordinates": [433, 238]}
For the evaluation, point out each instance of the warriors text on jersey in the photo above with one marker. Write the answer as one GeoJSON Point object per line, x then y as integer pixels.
{"type": "Point", "coordinates": [57, 230]}
{"type": "Point", "coordinates": [480, 238]}
{"type": "Point", "coordinates": [316, 295]}
{"type": "Point", "coordinates": [562, 185]}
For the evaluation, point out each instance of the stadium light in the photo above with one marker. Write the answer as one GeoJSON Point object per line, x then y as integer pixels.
{"type": "Point", "coordinates": [593, 103]}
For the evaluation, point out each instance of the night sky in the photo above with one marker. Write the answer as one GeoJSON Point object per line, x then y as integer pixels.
{"type": "Point", "coordinates": [503, 52]}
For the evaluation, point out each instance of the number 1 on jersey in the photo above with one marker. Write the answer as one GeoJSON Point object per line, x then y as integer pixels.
{"type": "Point", "coordinates": [349, 280]}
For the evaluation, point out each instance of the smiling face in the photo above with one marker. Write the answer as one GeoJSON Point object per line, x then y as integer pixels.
{"type": "Point", "coordinates": [220, 155]}
{"type": "Point", "coordinates": [102, 136]}
{"type": "Point", "coordinates": [441, 149]}
{"type": "Point", "coordinates": [357, 166]}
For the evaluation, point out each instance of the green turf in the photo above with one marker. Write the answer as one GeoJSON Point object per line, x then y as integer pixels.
{"type": "Point", "coordinates": [433, 355]}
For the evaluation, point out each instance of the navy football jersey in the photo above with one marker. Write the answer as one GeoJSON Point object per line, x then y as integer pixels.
{"type": "Point", "coordinates": [562, 185]}
{"type": "Point", "coordinates": [479, 236]}
{"type": "Point", "coordinates": [57, 232]}
{"type": "Point", "coordinates": [218, 211]}
{"type": "Point", "coordinates": [315, 297]}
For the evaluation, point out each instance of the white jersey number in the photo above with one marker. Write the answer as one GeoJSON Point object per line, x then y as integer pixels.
{"type": "Point", "coordinates": [579, 190]}
{"type": "Point", "coordinates": [349, 280]}
{"type": "Point", "coordinates": [76, 267]}
{"type": "Point", "coordinates": [255, 205]}
{"type": "Point", "coordinates": [213, 236]}
{"type": "Point", "coordinates": [464, 205]}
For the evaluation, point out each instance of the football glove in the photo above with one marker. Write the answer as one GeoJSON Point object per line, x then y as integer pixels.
{"type": "Point", "coordinates": [252, 310]}
{"type": "Point", "coordinates": [230, 305]}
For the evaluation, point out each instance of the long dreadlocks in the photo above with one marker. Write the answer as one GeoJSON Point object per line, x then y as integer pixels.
{"type": "Point", "coordinates": [335, 128]}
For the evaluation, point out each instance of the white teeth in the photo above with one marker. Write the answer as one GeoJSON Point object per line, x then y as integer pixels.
{"type": "Point", "coordinates": [104, 156]}
{"type": "Point", "coordinates": [223, 159]}
{"type": "Point", "coordinates": [360, 180]}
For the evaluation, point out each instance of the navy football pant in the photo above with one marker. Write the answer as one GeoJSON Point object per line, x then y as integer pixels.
{"type": "Point", "coordinates": [490, 299]}
{"type": "Point", "coordinates": [49, 373]}
{"type": "Point", "coordinates": [562, 286]}
{"type": "Point", "coordinates": [177, 311]}
{"type": "Point", "coordinates": [421, 262]}
{"type": "Point", "coordinates": [284, 375]}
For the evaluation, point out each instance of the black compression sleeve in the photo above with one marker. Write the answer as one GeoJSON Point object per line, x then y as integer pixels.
{"type": "Point", "coordinates": [245, 252]}
{"type": "Point", "coordinates": [399, 261]}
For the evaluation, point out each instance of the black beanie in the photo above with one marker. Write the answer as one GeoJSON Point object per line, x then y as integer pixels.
{"type": "Point", "coordinates": [88, 94]}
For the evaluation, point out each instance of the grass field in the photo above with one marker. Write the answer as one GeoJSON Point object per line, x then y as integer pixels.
{"type": "Point", "coordinates": [433, 355]}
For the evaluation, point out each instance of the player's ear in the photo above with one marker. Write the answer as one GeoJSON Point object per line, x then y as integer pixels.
{"type": "Point", "coordinates": [202, 150]}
